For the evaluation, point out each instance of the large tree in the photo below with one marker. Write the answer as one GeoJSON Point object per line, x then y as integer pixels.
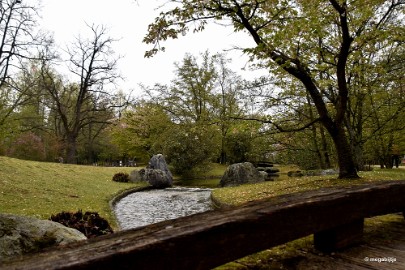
{"type": "Point", "coordinates": [19, 42]}
{"type": "Point", "coordinates": [87, 102]}
{"type": "Point", "coordinates": [189, 102]}
{"type": "Point", "coordinates": [227, 103]}
{"type": "Point", "coordinates": [189, 98]}
{"type": "Point", "coordinates": [203, 99]}
{"type": "Point", "coordinates": [310, 41]}
{"type": "Point", "coordinates": [139, 129]}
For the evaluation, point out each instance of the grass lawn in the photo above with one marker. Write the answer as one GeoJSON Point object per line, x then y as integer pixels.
{"type": "Point", "coordinates": [233, 196]}
{"type": "Point", "coordinates": [41, 189]}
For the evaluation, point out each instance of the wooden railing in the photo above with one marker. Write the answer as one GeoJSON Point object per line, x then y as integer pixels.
{"type": "Point", "coordinates": [335, 216]}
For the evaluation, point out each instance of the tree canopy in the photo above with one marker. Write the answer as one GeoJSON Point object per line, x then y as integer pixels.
{"type": "Point", "coordinates": [316, 43]}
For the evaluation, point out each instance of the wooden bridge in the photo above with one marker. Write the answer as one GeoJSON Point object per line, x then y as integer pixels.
{"type": "Point", "coordinates": [334, 215]}
{"type": "Point", "coordinates": [383, 247]}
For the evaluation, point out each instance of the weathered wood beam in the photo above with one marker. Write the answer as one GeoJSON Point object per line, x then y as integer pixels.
{"type": "Point", "coordinates": [209, 239]}
{"type": "Point", "coordinates": [339, 237]}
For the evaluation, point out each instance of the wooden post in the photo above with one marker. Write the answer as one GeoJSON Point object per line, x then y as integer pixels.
{"type": "Point", "coordinates": [339, 237]}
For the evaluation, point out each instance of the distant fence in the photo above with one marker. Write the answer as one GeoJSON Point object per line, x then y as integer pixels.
{"type": "Point", "coordinates": [334, 215]}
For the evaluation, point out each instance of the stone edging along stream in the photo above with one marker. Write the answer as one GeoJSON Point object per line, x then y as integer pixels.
{"type": "Point", "coordinates": [124, 193]}
{"type": "Point", "coordinates": [217, 204]}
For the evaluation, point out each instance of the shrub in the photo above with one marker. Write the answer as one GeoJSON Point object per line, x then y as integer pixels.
{"type": "Point", "coordinates": [189, 150]}
{"type": "Point", "coordinates": [89, 223]}
{"type": "Point", "coordinates": [28, 146]}
{"type": "Point", "coordinates": [121, 177]}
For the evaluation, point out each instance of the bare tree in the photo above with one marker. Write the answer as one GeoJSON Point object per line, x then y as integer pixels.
{"type": "Point", "coordinates": [86, 102]}
{"type": "Point", "coordinates": [18, 42]}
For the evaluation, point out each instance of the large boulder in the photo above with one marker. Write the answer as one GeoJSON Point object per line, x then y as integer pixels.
{"type": "Point", "coordinates": [20, 235]}
{"type": "Point", "coordinates": [158, 162]}
{"type": "Point", "coordinates": [158, 178]}
{"type": "Point", "coordinates": [241, 173]}
{"type": "Point", "coordinates": [157, 172]}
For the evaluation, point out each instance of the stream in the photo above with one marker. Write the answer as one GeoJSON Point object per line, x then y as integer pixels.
{"type": "Point", "coordinates": [152, 206]}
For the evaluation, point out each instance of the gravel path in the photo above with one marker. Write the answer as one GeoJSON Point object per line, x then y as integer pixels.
{"type": "Point", "coordinates": [147, 207]}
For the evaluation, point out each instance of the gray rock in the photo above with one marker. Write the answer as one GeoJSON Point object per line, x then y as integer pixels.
{"type": "Point", "coordinates": [241, 173]}
{"type": "Point", "coordinates": [137, 176]}
{"type": "Point", "coordinates": [20, 235]}
{"type": "Point", "coordinates": [158, 178]}
{"type": "Point", "coordinates": [157, 173]}
{"type": "Point", "coordinates": [263, 174]}
{"type": "Point", "coordinates": [269, 172]}
{"type": "Point", "coordinates": [158, 162]}
{"type": "Point", "coordinates": [329, 172]}
{"type": "Point", "coordinates": [312, 173]}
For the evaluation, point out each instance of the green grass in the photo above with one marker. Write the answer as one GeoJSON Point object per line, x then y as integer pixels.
{"type": "Point", "coordinates": [238, 195]}
{"type": "Point", "coordinates": [41, 189]}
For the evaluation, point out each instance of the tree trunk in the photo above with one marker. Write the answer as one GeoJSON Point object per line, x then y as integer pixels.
{"type": "Point", "coordinates": [316, 148]}
{"type": "Point", "coordinates": [325, 151]}
{"type": "Point", "coordinates": [359, 156]}
{"type": "Point", "coordinates": [314, 134]}
{"type": "Point", "coordinates": [223, 158]}
{"type": "Point", "coordinates": [347, 166]}
{"type": "Point", "coordinates": [71, 149]}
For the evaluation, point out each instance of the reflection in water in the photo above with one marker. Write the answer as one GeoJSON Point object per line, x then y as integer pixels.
{"type": "Point", "coordinates": [147, 207]}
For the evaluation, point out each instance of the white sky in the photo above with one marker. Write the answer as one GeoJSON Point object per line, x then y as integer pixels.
{"type": "Point", "coordinates": [127, 20]}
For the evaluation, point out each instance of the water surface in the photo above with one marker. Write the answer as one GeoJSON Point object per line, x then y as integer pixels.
{"type": "Point", "coordinates": [152, 206]}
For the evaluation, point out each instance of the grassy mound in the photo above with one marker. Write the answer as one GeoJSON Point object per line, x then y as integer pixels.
{"type": "Point", "coordinates": [41, 189]}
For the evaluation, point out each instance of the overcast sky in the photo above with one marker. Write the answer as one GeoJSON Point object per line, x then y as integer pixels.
{"type": "Point", "coordinates": [127, 21]}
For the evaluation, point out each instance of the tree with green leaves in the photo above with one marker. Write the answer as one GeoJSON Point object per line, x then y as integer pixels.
{"type": "Point", "coordinates": [205, 95]}
{"type": "Point", "coordinates": [189, 102]}
{"type": "Point", "coordinates": [189, 98]}
{"type": "Point", "coordinates": [139, 130]}
{"type": "Point", "coordinates": [226, 103]}
{"type": "Point", "coordinates": [300, 40]}
{"type": "Point", "coordinates": [189, 148]}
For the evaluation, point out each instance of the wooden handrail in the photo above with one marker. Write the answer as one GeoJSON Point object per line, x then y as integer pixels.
{"type": "Point", "coordinates": [209, 239]}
